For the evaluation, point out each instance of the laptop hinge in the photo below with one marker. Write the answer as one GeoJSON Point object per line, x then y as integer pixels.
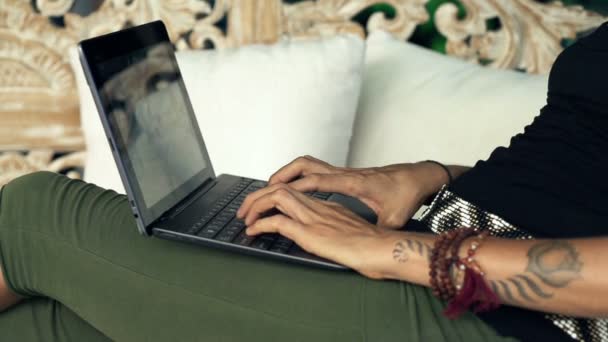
{"type": "Point", "coordinates": [186, 202]}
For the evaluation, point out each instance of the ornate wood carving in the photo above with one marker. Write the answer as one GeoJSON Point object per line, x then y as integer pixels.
{"type": "Point", "coordinates": [529, 38]}
{"type": "Point", "coordinates": [38, 100]}
{"type": "Point", "coordinates": [180, 16]}
{"type": "Point", "coordinates": [322, 17]}
{"type": "Point", "coordinates": [254, 21]}
{"type": "Point", "coordinates": [14, 164]}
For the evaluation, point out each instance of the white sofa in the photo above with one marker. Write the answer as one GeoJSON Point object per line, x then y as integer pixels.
{"type": "Point", "coordinates": [340, 99]}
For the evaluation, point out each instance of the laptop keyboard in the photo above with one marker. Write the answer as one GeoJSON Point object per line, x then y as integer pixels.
{"type": "Point", "coordinates": [220, 223]}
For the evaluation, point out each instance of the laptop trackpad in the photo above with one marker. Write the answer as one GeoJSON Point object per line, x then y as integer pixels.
{"type": "Point", "coordinates": [356, 206]}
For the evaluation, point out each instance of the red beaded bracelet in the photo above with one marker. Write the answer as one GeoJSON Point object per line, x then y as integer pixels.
{"type": "Point", "coordinates": [441, 281]}
{"type": "Point", "coordinates": [472, 290]}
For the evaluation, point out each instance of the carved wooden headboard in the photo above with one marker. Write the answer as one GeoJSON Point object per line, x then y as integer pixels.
{"type": "Point", "coordinates": [39, 113]}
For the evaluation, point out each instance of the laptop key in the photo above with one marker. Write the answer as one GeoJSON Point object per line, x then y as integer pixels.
{"type": "Point", "coordinates": [208, 232]}
{"type": "Point", "coordinates": [264, 241]}
{"type": "Point", "coordinates": [279, 249]}
{"type": "Point", "coordinates": [193, 230]}
{"type": "Point", "coordinates": [244, 239]}
{"type": "Point", "coordinates": [283, 242]}
{"type": "Point", "coordinates": [214, 225]}
{"type": "Point", "coordinates": [261, 244]}
{"type": "Point", "coordinates": [223, 221]}
{"type": "Point", "coordinates": [226, 215]}
{"type": "Point", "coordinates": [222, 215]}
{"type": "Point", "coordinates": [232, 209]}
{"type": "Point", "coordinates": [227, 235]}
{"type": "Point", "coordinates": [238, 223]}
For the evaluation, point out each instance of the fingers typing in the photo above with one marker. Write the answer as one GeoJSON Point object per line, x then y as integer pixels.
{"type": "Point", "coordinates": [301, 166]}
{"type": "Point", "coordinates": [280, 224]}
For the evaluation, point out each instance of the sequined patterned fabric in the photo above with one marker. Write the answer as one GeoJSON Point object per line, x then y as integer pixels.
{"type": "Point", "coordinates": [448, 211]}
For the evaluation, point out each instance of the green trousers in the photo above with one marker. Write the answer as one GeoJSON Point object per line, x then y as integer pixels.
{"type": "Point", "coordinates": [72, 249]}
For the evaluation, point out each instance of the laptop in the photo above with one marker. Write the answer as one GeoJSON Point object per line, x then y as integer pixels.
{"type": "Point", "coordinates": [160, 153]}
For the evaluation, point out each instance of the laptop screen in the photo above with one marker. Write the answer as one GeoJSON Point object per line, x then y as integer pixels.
{"type": "Point", "coordinates": [151, 121]}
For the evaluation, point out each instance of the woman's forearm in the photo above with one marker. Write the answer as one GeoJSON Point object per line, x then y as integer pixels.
{"type": "Point", "coordinates": [558, 276]}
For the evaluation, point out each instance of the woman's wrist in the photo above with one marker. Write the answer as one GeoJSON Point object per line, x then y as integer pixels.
{"type": "Point", "coordinates": [400, 255]}
{"type": "Point", "coordinates": [434, 175]}
{"type": "Point", "coordinates": [430, 178]}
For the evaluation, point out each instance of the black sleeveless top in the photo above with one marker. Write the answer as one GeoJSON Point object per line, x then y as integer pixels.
{"type": "Point", "coordinates": [552, 180]}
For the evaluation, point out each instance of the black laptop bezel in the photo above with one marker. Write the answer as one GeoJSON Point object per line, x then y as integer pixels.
{"type": "Point", "coordinates": [120, 44]}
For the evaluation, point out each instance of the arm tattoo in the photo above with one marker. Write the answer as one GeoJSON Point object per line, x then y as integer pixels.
{"type": "Point", "coordinates": [404, 248]}
{"type": "Point", "coordinates": [521, 290]}
{"type": "Point", "coordinates": [399, 253]}
{"type": "Point", "coordinates": [554, 263]}
{"type": "Point", "coordinates": [534, 287]}
{"type": "Point", "coordinates": [506, 292]}
{"type": "Point", "coordinates": [494, 287]}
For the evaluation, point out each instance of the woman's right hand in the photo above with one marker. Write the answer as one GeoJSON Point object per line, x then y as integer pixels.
{"type": "Point", "coordinates": [393, 192]}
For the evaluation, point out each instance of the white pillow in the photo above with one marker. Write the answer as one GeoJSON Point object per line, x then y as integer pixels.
{"type": "Point", "coordinates": [417, 104]}
{"type": "Point", "coordinates": [258, 107]}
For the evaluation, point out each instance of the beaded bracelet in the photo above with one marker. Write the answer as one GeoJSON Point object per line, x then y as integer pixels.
{"type": "Point", "coordinates": [465, 234]}
{"type": "Point", "coordinates": [440, 280]}
{"type": "Point", "coordinates": [437, 257]}
{"type": "Point", "coordinates": [472, 290]}
{"type": "Point", "coordinates": [469, 260]}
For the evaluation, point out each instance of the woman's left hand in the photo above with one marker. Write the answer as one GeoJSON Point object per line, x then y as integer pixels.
{"type": "Point", "coordinates": [326, 229]}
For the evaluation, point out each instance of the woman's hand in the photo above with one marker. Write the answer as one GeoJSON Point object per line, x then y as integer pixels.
{"type": "Point", "coordinates": [393, 192]}
{"type": "Point", "coordinates": [322, 228]}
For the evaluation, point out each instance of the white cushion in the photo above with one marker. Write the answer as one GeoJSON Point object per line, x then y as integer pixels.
{"type": "Point", "coordinates": [258, 107]}
{"type": "Point", "coordinates": [417, 104]}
